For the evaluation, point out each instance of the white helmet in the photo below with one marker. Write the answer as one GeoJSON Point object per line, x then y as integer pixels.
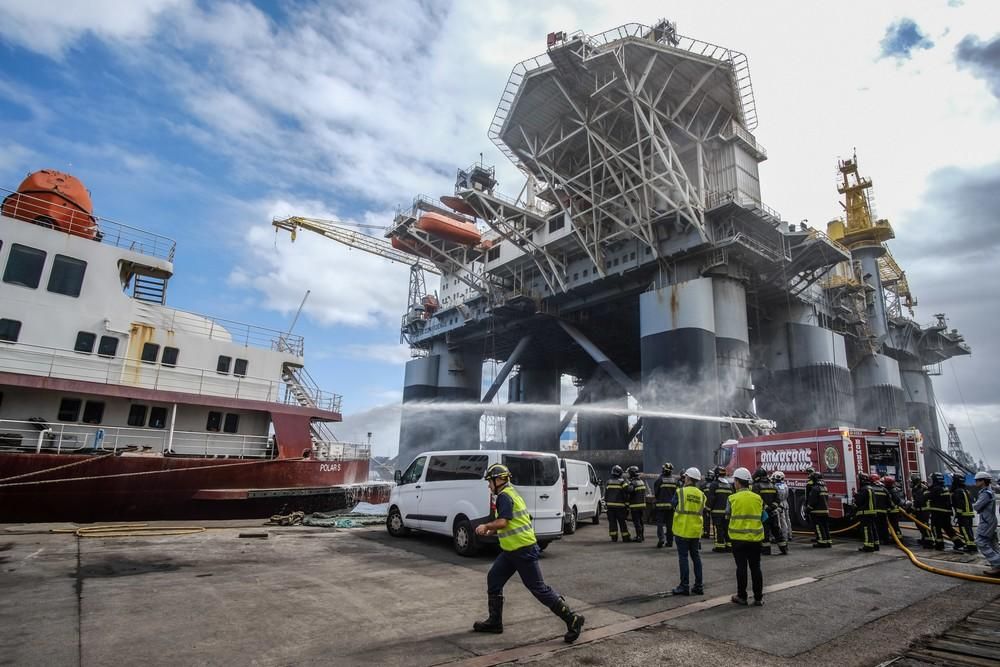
{"type": "Point", "coordinates": [778, 476]}
{"type": "Point", "coordinates": [693, 473]}
{"type": "Point", "coordinates": [743, 475]}
{"type": "Point", "coordinates": [983, 475]}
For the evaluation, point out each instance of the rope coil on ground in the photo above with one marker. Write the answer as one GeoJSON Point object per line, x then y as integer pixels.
{"type": "Point", "coordinates": [131, 530]}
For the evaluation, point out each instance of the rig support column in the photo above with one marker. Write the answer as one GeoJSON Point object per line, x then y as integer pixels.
{"type": "Point", "coordinates": [534, 431]}
{"type": "Point", "coordinates": [602, 431]}
{"type": "Point", "coordinates": [878, 393]}
{"type": "Point", "coordinates": [415, 430]}
{"type": "Point", "coordinates": [921, 412]}
{"type": "Point", "coordinates": [679, 373]}
{"type": "Point", "coordinates": [732, 349]}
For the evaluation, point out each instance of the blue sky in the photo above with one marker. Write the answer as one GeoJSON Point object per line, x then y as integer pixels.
{"type": "Point", "coordinates": [201, 121]}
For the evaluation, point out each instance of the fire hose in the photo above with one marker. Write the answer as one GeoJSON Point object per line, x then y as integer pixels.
{"type": "Point", "coordinates": [937, 570]}
{"type": "Point", "coordinates": [131, 530]}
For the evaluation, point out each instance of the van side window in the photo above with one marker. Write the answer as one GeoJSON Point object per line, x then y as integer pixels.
{"type": "Point", "coordinates": [593, 475]}
{"type": "Point", "coordinates": [532, 470]}
{"type": "Point", "coordinates": [412, 474]}
{"type": "Point", "coordinates": [457, 467]}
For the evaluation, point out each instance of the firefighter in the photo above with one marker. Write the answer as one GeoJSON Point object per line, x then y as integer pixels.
{"type": "Point", "coordinates": [896, 502]}
{"type": "Point", "coordinates": [636, 499]}
{"type": "Point", "coordinates": [762, 487]}
{"type": "Point", "coordinates": [519, 553]}
{"type": "Point", "coordinates": [746, 514]}
{"type": "Point", "coordinates": [882, 506]}
{"type": "Point", "coordinates": [718, 494]}
{"type": "Point", "coordinates": [809, 482]}
{"type": "Point", "coordinates": [819, 511]}
{"type": "Point", "coordinates": [615, 499]}
{"type": "Point", "coordinates": [784, 516]}
{"type": "Point", "coordinates": [986, 531]}
{"type": "Point", "coordinates": [706, 526]}
{"type": "Point", "coordinates": [961, 504]}
{"type": "Point", "coordinates": [940, 507]}
{"type": "Point", "coordinates": [689, 509]}
{"type": "Point", "coordinates": [866, 512]}
{"type": "Point", "coordinates": [920, 508]}
{"type": "Point", "coordinates": [664, 489]}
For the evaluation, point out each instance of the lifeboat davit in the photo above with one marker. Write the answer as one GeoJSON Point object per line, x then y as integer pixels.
{"type": "Point", "coordinates": [53, 199]}
{"type": "Point", "coordinates": [407, 245]}
{"type": "Point", "coordinates": [435, 224]}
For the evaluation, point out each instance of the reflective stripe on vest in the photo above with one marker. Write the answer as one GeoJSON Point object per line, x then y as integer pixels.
{"type": "Point", "coordinates": [744, 523]}
{"type": "Point", "coordinates": [518, 532]}
{"type": "Point", "coordinates": [688, 513]}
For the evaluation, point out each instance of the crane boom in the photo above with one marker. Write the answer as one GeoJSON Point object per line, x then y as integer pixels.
{"type": "Point", "coordinates": [336, 230]}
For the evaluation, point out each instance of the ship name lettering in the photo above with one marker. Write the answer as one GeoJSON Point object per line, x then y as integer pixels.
{"type": "Point", "coordinates": [329, 467]}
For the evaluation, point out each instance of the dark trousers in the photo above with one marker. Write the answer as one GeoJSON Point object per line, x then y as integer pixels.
{"type": "Point", "coordinates": [665, 525]}
{"type": "Point", "coordinates": [772, 529]}
{"type": "Point", "coordinates": [524, 561]}
{"type": "Point", "coordinates": [821, 527]}
{"type": "Point", "coordinates": [640, 531]}
{"type": "Point", "coordinates": [926, 538]}
{"type": "Point", "coordinates": [941, 527]}
{"type": "Point", "coordinates": [617, 522]}
{"type": "Point", "coordinates": [882, 525]}
{"type": "Point", "coordinates": [747, 555]}
{"type": "Point", "coordinates": [965, 529]}
{"type": "Point", "coordinates": [692, 546]}
{"type": "Point", "coordinates": [894, 523]}
{"type": "Point", "coordinates": [706, 525]}
{"type": "Point", "coordinates": [869, 532]}
{"type": "Point", "coordinates": [721, 531]}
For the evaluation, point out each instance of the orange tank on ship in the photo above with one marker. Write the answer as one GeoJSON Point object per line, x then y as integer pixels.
{"type": "Point", "coordinates": [457, 231]}
{"type": "Point", "coordinates": [53, 199]}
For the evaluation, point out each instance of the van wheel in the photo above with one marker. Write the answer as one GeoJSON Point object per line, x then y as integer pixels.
{"type": "Point", "coordinates": [542, 546]}
{"type": "Point", "coordinates": [464, 538]}
{"type": "Point", "coordinates": [596, 519]}
{"type": "Point", "coordinates": [569, 527]}
{"type": "Point", "coordinates": [394, 524]}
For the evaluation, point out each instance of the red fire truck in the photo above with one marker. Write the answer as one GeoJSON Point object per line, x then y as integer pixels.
{"type": "Point", "coordinates": [839, 453]}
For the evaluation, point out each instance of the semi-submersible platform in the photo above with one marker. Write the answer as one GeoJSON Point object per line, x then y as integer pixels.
{"type": "Point", "coordinates": [638, 258]}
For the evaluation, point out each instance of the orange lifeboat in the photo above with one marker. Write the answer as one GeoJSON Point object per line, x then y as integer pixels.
{"type": "Point", "coordinates": [407, 246]}
{"type": "Point", "coordinates": [53, 199]}
{"type": "Point", "coordinates": [464, 233]}
{"type": "Point", "coordinates": [458, 205]}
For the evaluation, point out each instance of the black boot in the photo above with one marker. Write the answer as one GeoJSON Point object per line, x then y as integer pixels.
{"type": "Point", "coordinates": [494, 623]}
{"type": "Point", "coordinates": [574, 622]}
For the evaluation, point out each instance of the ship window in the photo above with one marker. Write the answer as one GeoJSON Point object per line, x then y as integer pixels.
{"type": "Point", "coordinates": [240, 368]}
{"type": "Point", "coordinates": [493, 254]}
{"type": "Point", "coordinates": [214, 421]}
{"type": "Point", "coordinates": [67, 275]}
{"type": "Point", "coordinates": [108, 346]}
{"type": "Point", "coordinates": [24, 266]}
{"type": "Point", "coordinates": [137, 415]}
{"type": "Point", "coordinates": [631, 256]}
{"type": "Point", "coordinates": [157, 417]}
{"type": "Point", "coordinates": [232, 423]}
{"type": "Point", "coordinates": [69, 409]}
{"type": "Point", "coordinates": [169, 356]}
{"type": "Point", "coordinates": [223, 365]}
{"type": "Point", "coordinates": [93, 412]}
{"type": "Point", "coordinates": [150, 352]}
{"type": "Point", "coordinates": [85, 342]}
{"type": "Point", "coordinates": [10, 330]}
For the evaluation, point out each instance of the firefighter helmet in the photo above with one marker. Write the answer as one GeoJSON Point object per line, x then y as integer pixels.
{"type": "Point", "coordinates": [720, 471]}
{"type": "Point", "coordinates": [815, 476]}
{"type": "Point", "coordinates": [875, 478]}
{"type": "Point", "coordinates": [616, 471]}
{"type": "Point", "coordinates": [497, 471]}
{"type": "Point", "coordinates": [915, 477]}
{"type": "Point", "coordinates": [668, 467]}
{"type": "Point", "coordinates": [760, 473]}
{"type": "Point", "coordinates": [937, 478]}
{"type": "Point", "coordinates": [889, 481]}
{"type": "Point", "coordinates": [864, 478]}
{"type": "Point", "coordinates": [810, 470]}
{"type": "Point", "coordinates": [778, 476]}
{"type": "Point", "coordinates": [709, 475]}
{"type": "Point", "coordinates": [633, 472]}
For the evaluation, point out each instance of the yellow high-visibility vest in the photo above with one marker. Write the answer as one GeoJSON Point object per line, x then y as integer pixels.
{"type": "Point", "coordinates": [746, 508]}
{"type": "Point", "coordinates": [519, 532]}
{"type": "Point", "coordinates": [688, 512]}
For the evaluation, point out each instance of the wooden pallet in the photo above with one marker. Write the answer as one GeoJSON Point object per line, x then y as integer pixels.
{"type": "Point", "coordinates": [974, 641]}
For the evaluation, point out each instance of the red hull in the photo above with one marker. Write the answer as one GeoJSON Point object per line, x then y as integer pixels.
{"type": "Point", "coordinates": [117, 488]}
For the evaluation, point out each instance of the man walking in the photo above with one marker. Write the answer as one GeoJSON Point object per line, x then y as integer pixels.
{"type": "Point", "coordinates": [664, 489]}
{"type": "Point", "coordinates": [636, 499]}
{"type": "Point", "coordinates": [519, 553]}
{"type": "Point", "coordinates": [616, 500]}
{"type": "Point", "coordinates": [688, 514]}
{"type": "Point", "coordinates": [986, 532]}
{"type": "Point", "coordinates": [746, 515]}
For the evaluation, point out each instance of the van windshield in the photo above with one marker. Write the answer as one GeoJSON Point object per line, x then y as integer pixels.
{"type": "Point", "coordinates": [532, 470]}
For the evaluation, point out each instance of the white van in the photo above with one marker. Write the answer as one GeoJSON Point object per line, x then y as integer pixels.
{"type": "Point", "coordinates": [444, 493]}
{"type": "Point", "coordinates": [581, 494]}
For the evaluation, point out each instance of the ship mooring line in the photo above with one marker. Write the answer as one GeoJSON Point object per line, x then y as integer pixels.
{"type": "Point", "coordinates": [552, 646]}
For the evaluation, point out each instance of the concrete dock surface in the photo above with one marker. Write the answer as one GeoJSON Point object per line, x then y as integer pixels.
{"type": "Point", "coordinates": [319, 596]}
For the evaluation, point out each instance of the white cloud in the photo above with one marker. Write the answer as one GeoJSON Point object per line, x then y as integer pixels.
{"type": "Point", "coordinates": [385, 353]}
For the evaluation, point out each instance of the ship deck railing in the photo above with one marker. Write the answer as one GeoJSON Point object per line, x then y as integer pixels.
{"type": "Point", "coordinates": [117, 234]}
{"type": "Point", "coordinates": [37, 360]}
{"type": "Point", "coordinates": [216, 328]}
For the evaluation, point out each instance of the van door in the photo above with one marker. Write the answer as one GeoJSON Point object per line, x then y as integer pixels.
{"type": "Point", "coordinates": [408, 493]}
{"type": "Point", "coordinates": [539, 481]}
{"type": "Point", "coordinates": [451, 479]}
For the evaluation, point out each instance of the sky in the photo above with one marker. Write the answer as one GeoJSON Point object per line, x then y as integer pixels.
{"type": "Point", "coordinates": [202, 121]}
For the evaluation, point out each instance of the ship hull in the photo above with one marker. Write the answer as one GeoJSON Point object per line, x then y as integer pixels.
{"type": "Point", "coordinates": [133, 488]}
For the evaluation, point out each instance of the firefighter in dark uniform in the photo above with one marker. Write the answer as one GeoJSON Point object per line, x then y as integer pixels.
{"type": "Point", "coordinates": [882, 506]}
{"type": "Point", "coordinates": [719, 491]}
{"type": "Point", "coordinates": [518, 553]}
{"type": "Point", "coordinates": [809, 484]}
{"type": "Point", "coordinates": [616, 500]}
{"type": "Point", "coordinates": [896, 502]}
{"type": "Point", "coordinates": [706, 525]}
{"type": "Point", "coordinates": [763, 487]}
{"type": "Point", "coordinates": [664, 489]}
{"type": "Point", "coordinates": [817, 502]}
{"type": "Point", "coordinates": [939, 499]}
{"type": "Point", "coordinates": [636, 499]}
{"type": "Point", "coordinates": [866, 513]}
{"type": "Point", "coordinates": [961, 503]}
{"type": "Point", "coordinates": [920, 509]}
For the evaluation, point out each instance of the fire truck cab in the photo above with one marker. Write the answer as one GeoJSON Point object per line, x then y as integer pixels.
{"type": "Point", "coordinates": [840, 454]}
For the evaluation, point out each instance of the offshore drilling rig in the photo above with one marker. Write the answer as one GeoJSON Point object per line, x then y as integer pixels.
{"type": "Point", "coordinates": [638, 258]}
